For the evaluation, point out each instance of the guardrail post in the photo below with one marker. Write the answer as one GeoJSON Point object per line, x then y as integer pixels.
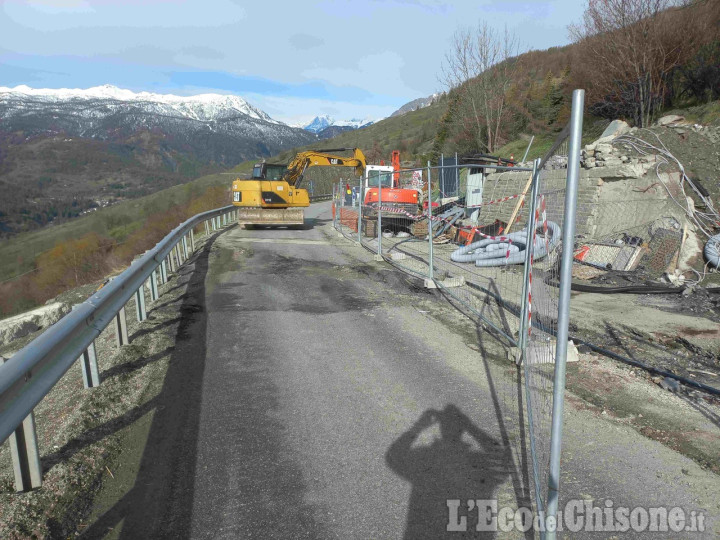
{"type": "Point", "coordinates": [192, 241]}
{"type": "Point", "coordinates": [88, 362]}
{"type": "Point", "coordinates": [25, 454]}
{"type": "Point", "coordinates": [207, 228]}
{"type": "Point", "coordinates": [153, 286]}
{"type": "Point", "coordinates": [163, 271]}
{"type": "Point", "coordinates": [140, 304]}
{"type": "Point", "coordinates": [178, 257]}
{"type": "Point", "coordinates": [121, 331]}
{"type": "Point", "coordinates": [185, 248]}
{"type": "Point", "coordinates": [171, 261]}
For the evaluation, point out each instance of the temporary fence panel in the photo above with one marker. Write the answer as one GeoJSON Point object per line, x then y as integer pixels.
{"type": "Point", "coordinates": [492, 238]}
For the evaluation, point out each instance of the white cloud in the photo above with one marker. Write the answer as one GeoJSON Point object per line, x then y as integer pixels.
{"type": "Point", "coordinates": [378, 73]}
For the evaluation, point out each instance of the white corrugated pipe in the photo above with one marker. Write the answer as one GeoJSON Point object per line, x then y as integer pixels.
{"type": "Point", "coordinates": [493, 251]}
{"type": "Point", "coordinates": [712, 250]}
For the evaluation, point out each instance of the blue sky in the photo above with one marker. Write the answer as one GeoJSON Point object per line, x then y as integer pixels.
{"type": "Point", "coordinates": [294, 60]}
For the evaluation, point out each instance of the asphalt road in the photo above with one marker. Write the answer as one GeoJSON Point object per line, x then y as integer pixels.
{"type": "Point", "coordinates": [319, 394]}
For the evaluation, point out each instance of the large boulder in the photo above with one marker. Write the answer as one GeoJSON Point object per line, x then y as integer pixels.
{"type": "Point", "coordinates": [26, 323]}
{"type": "Point", "coordinates": [615, 129]}
{"type": "Point", "coordinates": [669, 120]}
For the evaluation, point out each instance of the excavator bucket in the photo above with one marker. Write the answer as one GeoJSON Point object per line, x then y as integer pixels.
{"type": "Point", "coordinates": [270, 216]}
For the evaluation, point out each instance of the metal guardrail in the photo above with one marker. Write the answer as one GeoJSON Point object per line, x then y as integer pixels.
{"type": "Point", "coordinates": [325, 197]}
{"type": "Point", "coordinates": [28, 376]}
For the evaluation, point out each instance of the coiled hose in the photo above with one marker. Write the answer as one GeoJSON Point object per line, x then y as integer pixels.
{"type": "Point", "coordinates": [712, 250]}
{"type": "Point", "coordinates": [493, 251]}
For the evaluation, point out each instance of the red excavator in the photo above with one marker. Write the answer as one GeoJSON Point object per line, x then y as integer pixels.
{"type": "Point", "coordinates": [386, 180]}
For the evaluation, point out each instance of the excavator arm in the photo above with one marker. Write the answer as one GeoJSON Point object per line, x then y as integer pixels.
{"type": "Point", "coordinates": [312, 158]}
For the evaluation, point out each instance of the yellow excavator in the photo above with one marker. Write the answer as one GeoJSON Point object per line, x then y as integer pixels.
{"type": "Point", "coordinates": [273, 195]}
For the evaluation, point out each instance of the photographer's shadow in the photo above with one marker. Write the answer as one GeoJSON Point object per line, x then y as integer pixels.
{"type": "Point", "coordinates": [463, 464]}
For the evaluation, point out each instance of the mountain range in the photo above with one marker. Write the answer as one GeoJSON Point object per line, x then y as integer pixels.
{"type": "Point", "coordinates": [326, 126]}
{"type": "Point", "coordinates": [64, 152]}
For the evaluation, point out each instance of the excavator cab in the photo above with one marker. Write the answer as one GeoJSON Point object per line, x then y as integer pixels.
{"type": "Point", "coordinates": [379, 175]}
{"type": "Point", "coordinates": [268, 171]}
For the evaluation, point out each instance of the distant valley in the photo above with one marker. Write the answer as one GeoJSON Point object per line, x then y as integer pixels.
{"type": "Point", "coordinates": [65, 152]}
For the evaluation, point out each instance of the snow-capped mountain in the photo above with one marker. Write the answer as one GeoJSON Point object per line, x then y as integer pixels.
{"type": "Point", "coordinates": [319, 123]}
{"type": "Point", "coordinates": [224, 129]}
{"type": "Point", "coordinates": [199, 107]}
{"type": "Point", "coordinates": [66, 151]}
{"type": "Point", "coordinates": [416, 104]}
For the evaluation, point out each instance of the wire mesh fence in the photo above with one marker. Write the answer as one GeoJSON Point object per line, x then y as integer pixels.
{"type": "Point", "coordinates": [489, 236]}
{"type": "Point", "coordinates": [539, 343]}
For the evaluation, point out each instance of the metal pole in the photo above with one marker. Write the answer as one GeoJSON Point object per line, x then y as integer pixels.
{"type": "Point", "coordinates": [441, 180]}
{"type": "Point", "coordinates": [457, 177]}
{"type": "Point", "coordinates": [88, 362]}
{"type": "Point", "coordinates": [207, 228]}
{"type": "Point", "coordinates": [163, 271]}
{"type": "Point", "coordinates": [192, 240]}
{"type": "Point", "coordinates": [185, 247]}
{"type": "Point", "coordinates": [568, 237]}
{"type": "Point", "coordinates": [524, 301]}
{"type": "Point", "coordinates": [121, 331]}
{"type": "Point", "coordinates": [379, 216]}
{"type": "Point", "coordinates": [430, 230]}
{"type": "Point", "coordinates": [528, 148]}
{"type": "Point", "coordinates": [25, 454]}
{"type": "Point", "coordinates": [360, 206]}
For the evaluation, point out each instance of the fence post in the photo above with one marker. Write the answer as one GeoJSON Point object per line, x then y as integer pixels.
{"type": "Point", "coordinates": [121, 331]}
{"type": "Point", "coordinates": [360, 200]}
{"type": "Point", "coordinates": [334, 203]}
{"type": "Point", "coordinates": [527, 269]}
{"type": "Point", "coordinates": [430, 229]}
{"type": "Point", "coordinates": [140, 304]}
{"type": "Point", "coordinates": [25, 454]}
{"type": "Point", "coordinates": [88, 363]}
{"type": "Point", "coordinates": [379, 216]}
{"type": "Point", "coordinates": [568, 238]}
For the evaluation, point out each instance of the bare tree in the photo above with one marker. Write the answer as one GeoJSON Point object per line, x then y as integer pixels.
{"type": "Point", "coordinates": [632, 46]}
{"type": "Point", "coordinates": [479, 67]}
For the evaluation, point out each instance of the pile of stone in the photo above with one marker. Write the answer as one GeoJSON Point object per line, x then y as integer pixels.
{"type": "Point", "coordinates": [603, 155]}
